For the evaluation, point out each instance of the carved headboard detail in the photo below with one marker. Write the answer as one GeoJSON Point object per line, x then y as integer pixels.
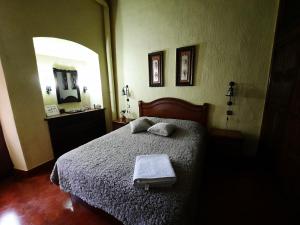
{"type": "Point", "coordinates": [176, 109]}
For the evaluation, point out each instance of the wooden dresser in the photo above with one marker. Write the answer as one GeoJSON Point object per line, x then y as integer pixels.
{"type": "Point", "coordinates": [69, 131]}
{"type": "Point", "coordinates": [226, 143]}
{"type": "Point", "coordinates": [225, 149]}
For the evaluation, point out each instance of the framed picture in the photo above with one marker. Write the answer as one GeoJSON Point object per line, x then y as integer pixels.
{"type": "Point", "coordinates": [185, 66]}
{"type": "Point", "coordinates": [155, 61]}
{"type": "Point", "coordinates": [67, 89]}
{"type": "Point", "coordinates": [51, 110]}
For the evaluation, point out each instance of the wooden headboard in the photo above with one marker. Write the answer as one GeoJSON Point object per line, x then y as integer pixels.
{"type": "Point", "coordinates": [176, 109]}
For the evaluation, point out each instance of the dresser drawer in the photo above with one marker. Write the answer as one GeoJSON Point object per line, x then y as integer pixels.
{"type": "Point", "coordinates": [69, 131]}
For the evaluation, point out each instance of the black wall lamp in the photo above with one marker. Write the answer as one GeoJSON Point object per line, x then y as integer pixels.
{"type": "Point", "coordinates": [48, 89]}
{"type": "Point", "coordinates": [230, 94]}
{"type": "Point", "coordinates": [84, 89]}
{"type": "Point", "coordinates": [125, 92]}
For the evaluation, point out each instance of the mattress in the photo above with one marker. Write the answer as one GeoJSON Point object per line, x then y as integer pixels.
{"type": "Point", "coordinates": [101, 173]}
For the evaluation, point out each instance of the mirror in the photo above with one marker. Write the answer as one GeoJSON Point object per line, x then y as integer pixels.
{"type": "Point", "coordinates": [67, 89]}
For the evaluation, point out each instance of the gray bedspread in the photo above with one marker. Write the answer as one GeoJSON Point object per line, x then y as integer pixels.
{"type": "Point", "coordinates": [101, 171]}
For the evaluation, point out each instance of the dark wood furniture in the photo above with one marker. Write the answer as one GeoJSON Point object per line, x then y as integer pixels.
{"type": "Point", "coordinates": [226, 143]}
{"type": "Point", "coordinates": [5, 162]}
{"type": "Point", "coordinates": [118, 123]}
{"type": "Point", "coordinates": [176, 109]}
{"type": "Point", "coordinates": [225, 151]}
{"type": "Point", "coordinates": [280, 133]}
{"type": "Point", "coordinates": [69, 131]}
{"type": "Point", "coordinates": [167, 108]}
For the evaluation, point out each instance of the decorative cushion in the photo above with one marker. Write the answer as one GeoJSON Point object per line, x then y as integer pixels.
{"type": "Point", "coordinates": [140, 125]}
{"type": "Point", "coordinates": [162, 129]}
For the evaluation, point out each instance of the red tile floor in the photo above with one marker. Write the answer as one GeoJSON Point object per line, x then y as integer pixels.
{"type": "Point", "coordinates": [35, 201]}
{"type": "Point", "coordinates": [235, 198]}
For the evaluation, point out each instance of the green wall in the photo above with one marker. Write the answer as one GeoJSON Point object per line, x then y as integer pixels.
{"type": "Point", "coordinates": [20, 21]}
{"type": "Point", "coordinates": [234, 40]}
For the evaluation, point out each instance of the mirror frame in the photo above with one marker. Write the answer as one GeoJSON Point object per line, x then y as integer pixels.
{"type": "Point", "coordinates": [69, 98]}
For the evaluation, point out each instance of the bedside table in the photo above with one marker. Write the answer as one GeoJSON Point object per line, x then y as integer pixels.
{"type": "Point", "coordinates": [225, 143]}
{"type": "Point", "coordinates": [116, 124]}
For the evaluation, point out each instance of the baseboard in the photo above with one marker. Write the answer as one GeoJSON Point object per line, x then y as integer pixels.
{"type": "Point", "coordinates": [43, 167]}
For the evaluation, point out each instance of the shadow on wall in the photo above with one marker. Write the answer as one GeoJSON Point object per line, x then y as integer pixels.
{"type": "Point", "coordinates": [250, 145]}
{"type": "Point", "coordinates": [199, 62]}
{"type": "Point", "coordinates": [113, 7]}
{"type": "Point", "coordinates": [245, 90]}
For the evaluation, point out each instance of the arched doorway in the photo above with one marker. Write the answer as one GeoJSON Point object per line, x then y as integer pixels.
{"type": "Point", "coordinates": [67, 55]}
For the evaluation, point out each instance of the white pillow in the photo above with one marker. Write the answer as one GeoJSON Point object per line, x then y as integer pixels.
{"type": "Point", "coordinates": [140, 125]}
{"type": "Point", "coordinates": [162, 129]}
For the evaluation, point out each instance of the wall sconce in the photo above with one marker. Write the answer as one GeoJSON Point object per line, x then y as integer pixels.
{"type": "Point", "coordinates": [84, 89]}
{"type": "Point", "coordinates": [125, 92]}
{"type": "Point", "coordinates": [230, 94]}
{"type": "Point", "coordinates": [230, 89]}
{"type": "Point", "coordinates": [48, 89]}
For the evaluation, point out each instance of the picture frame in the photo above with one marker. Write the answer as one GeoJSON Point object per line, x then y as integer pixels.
{"type": "Point", "coordinates": [67, 89]}
{"type": "Point", "coordinates": [51, 110]}
{"type": "Point", "coordinates": [185, 57]}
{"type": "Point", "coordinates": [156, 70]}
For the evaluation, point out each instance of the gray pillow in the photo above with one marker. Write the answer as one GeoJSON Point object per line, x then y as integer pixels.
{"type": "Point", "coordinates": [140, 125]}
{"type": "Point", "coordinates": [162, 129]}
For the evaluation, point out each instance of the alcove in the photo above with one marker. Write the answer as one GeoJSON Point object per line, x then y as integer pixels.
{"type": "Point", "coordinates": [70, 56]}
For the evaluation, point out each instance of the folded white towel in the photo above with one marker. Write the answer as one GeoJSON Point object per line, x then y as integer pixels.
{"type": "Point", "coordinates": [153, 170]}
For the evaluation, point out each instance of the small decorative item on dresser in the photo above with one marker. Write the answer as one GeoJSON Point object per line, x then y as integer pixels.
{"type": "Point", "coordinates": [51, 110]}
{"type": "Point", "coordinates": [185, 57]}
{"type": "Point", "coordinates": [116, 124]}
{"type": "Point", "coordinates": [122, 113]}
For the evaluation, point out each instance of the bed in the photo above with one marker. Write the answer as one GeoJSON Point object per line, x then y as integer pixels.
{"type": "Point", "coordinates": [100, 172]}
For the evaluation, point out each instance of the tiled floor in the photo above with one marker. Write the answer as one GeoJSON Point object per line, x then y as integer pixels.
{"type": "Point", "coordinates": [227, 197]}
{"type": "Point", "coordinates": [35, 201]}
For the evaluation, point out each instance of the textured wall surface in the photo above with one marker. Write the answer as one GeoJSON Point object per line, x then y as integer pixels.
{"type": "Point", "coordinates": [86, 77]}
{"type": "Point", "coordinates": [234, 41]}
{"type": "Point", "coordinates": [9, 127]}
{"type": "Point", "coordinates": [20, 21]}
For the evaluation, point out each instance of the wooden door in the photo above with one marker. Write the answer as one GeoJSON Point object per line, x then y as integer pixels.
{"type": "Point", "coordinates": [280, 135]}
